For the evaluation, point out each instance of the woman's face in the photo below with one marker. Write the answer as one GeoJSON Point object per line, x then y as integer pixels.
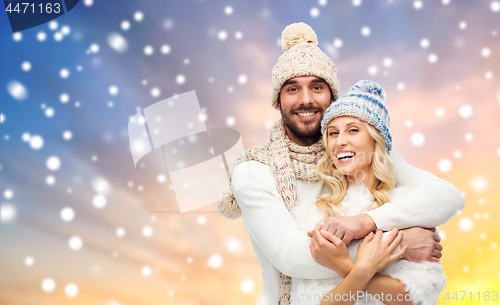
{"type": "Point", "coordinates": [351, 147]}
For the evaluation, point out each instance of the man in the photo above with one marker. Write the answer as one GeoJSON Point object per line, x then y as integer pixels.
{"type": "Point", "coordinates": [269, 180]}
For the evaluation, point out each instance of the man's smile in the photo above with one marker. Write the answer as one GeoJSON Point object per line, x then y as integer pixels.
{"type": "Point", "coordinates": [307, 115]}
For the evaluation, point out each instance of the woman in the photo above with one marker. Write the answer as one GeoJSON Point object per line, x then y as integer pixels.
{"type": "Point", "coordinates": [358, 170]}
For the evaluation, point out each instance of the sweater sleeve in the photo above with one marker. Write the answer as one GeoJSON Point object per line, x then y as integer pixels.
{"type": "Point", "coordinates": [271, 225]}
{"type": "Point", "coordinates": [428, 193]}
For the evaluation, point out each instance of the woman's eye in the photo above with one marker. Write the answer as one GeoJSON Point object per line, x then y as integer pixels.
{"type": "Point", "coordinates": [353, 130]}
{"type": "Point", "coordinates": [333, 133]}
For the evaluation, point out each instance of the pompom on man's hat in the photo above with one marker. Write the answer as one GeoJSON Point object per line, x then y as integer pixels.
{"type": "Point", "coordinates": [367, 101]}
{"type": "Point", "coordinates": [302, 57]}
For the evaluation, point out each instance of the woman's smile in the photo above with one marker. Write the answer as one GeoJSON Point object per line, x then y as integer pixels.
{"type": "Point", "coordinates": [344, 156]}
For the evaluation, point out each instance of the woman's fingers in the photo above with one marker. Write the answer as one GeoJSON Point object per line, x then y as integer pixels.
{"type": "Point", "coordinates": [391, 237]}
{"type": "Point", "coordinates": [317, 235]}
{"type": "Point", "coordinates": [367, 238]}
{"type": "Point", "coordinates": [332, 238]}
{"type": "Point", "coordinates": [396, 241]}
{"type": "Point", "coordinates": [398, 255]}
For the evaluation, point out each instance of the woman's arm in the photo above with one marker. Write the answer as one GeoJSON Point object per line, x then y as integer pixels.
{"type": "Point", "coordinates": [386, 285]}
{"type": "Point", "coordinates": [271, 225]}
{"type": "Point", "coordinates": [347, 291]}
{"type": "Point", "coordinates": [373, 255]}
{"type": "Point", "coordinates": [385, 288]}
{"type": "Point", "coordinates": [327, 249]}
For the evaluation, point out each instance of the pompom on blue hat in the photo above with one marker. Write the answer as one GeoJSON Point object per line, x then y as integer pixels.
{"type": "Point", "coordinates": [367, 101]}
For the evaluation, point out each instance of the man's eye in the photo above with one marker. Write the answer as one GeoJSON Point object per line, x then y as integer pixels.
{"type": "Point", "coordinates": [290, 89]}
{"type": "Point", "coordinates": [319, 87]}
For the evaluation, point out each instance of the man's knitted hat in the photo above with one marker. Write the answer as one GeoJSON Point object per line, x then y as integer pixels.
{"type": "Point", "coordinates": [302, 57]}
{"type": "Point", "coordinates": [366, 100]}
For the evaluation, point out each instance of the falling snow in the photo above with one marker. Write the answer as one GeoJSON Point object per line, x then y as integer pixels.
{"type": "Point", "coordinates": [99, 201]}
{"type": "Point", "coordinates": [425, 43]}
{"type": "Point", "coordinates": [444, 165]}
{"type": "Point", "coordinates": [67, 214]}
{"type": "Point", "coordinates": [247, 286]}
{"type": "Point", "coordinates": [215, 261]}
{"type": "Point", "coordinates": [125, 25]}
{"type": "Point", "coordinates": [146, 271]}
{"type": "Point", "coordinates": [417, 139]}
{"type": "Point", "coordinates": [26, 66]}
{"type": "Point", "coordinates": [48, 285]}
{"type": "Point", "coordinates": [75, 243]}
{"type": "Point", "coordinates": [7, 213]}
{"type": "Point", "coordinates": [138, 16]}
{"type": "Point", "coordinates": [148, 50]}
{"type": "Point", "coordinates": [29, 261]}
{"type": "Point", "coordinates": [117, 42]}
{"type": "Point", "coordinates": [17, 90]}
{"type": "Point", "coordinates": [71, 290]}
{"type": "Point", "coordinates": [465, 224]}
{"type": "Point", "coordinates": [365, 31]}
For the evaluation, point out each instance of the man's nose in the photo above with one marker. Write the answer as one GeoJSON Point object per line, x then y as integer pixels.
{"type": "Point", "coordinates": [306, 97]}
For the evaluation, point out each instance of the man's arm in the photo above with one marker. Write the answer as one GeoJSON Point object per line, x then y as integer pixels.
{"type": "Point", "coordinates": [431, 202]}
{"type": "Point", "coordinates": [271, 225]}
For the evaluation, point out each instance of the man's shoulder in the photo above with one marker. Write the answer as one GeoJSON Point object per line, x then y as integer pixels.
{"type": "Point", "coordinates": [252, 174]}
{"type": "Point", "coordinates": [258, 153]}
{"type": "Point", "coordinates": [400, 192]}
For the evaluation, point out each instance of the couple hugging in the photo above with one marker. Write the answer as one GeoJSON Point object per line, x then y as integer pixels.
{"type": "Point", "coordinates": [335, 216]}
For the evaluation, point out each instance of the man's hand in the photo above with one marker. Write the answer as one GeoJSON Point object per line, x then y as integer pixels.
{"type": "Point", "coordinates": [348, 228]}
{"type": "Point", "coordinates": [423, 245]}
{"type": "Point", "coordinates": [330, 251]}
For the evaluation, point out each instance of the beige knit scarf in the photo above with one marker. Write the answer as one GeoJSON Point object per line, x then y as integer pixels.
{"type": "Point", "coordinates": [288, 161]}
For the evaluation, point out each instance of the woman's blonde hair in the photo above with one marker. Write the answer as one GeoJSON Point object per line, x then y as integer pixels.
{"type": "Point", "coordinates": [381, 166]}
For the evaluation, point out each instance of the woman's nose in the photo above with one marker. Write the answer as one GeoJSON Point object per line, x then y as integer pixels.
{"type": "Point", "coordinates": [341, 140]}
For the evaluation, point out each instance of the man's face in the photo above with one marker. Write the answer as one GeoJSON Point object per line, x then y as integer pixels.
{"type": "Point", "coordinates": [302, 102]}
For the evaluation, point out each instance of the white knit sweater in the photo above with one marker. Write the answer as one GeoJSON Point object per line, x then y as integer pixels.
{"type": "Point", "coordinates": [280, 245]}
{"type": "Point", "coordinates": [423, 281]}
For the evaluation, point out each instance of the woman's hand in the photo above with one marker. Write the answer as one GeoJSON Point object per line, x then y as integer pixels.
{"type": "Point", "coordinates": [330, 251]}
{"type": "Point", "coordinates": [375, 254]}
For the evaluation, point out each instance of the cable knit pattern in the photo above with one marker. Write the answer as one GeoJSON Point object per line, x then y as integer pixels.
{"type": "Point", "coordinates": [424, 281]}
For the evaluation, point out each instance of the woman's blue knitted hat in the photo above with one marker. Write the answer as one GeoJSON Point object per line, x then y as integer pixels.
{"type": "Point", "coordinates": [366, 100]}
